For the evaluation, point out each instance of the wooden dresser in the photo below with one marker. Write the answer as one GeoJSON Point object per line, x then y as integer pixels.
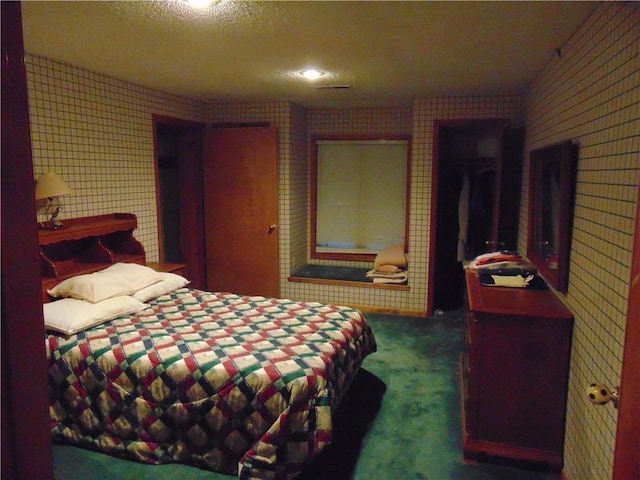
{"type": "Point", "coordinates": [514, 371]}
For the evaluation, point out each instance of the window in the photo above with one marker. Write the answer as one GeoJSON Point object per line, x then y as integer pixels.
{"type": "Point", "coordinates": [359, 195]}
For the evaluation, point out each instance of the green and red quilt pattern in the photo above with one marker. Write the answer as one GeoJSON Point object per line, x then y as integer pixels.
{"type": "Point", "coordinates": [239, 385]}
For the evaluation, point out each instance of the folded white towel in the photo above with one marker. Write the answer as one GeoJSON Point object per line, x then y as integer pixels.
{"type": "Point", "coordinates": [398, 277]}
{"type": "Point", "coordinates": [373, 273]}
{"type": "Point", "coordinates": [390, 280]}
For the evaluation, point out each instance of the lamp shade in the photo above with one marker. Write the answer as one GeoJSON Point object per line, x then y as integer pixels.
{"type": "Point", "coordinates": [50, 185]}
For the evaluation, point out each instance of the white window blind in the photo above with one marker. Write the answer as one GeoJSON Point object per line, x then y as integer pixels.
{"type": "Point", "coordinates": [361, 195]}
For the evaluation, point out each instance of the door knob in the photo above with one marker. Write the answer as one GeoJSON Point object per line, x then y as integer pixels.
{"type": "Point", "coordinates": [272, 228]}
{"type": "Point", "coordinates": [599, 394]}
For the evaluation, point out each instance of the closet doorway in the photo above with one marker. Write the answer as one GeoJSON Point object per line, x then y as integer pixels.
{"type": "Point", "coordinates": [475, 203]}
{"type": "Point", "coordinates": [178, 169]}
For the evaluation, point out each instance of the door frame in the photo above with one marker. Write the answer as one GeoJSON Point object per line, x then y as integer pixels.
{"type": "Point", "coordinates": [435, 177]}
{"type": "Point", "coordinates": [26, 435]}
{"type": "Point", "coordinates": [192, 227]}
{"type": "Point", "coordinates": [626, 461]}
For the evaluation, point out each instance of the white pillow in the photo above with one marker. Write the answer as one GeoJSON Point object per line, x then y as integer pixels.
{"type": "Point", "coordinates": [117, 280]}
{"type": "Point", "coordinates": [70, 315]}
{"type": "Point", "coordinates": [170, 283]}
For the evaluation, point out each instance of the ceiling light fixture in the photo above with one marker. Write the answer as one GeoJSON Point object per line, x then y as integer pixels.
{"type": "Point", "coordinates": [200, 4]}
{"type": "Point", "coordinates": [312, 74]}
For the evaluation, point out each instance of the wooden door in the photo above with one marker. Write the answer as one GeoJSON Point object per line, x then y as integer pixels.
{"type": "Point", "coordinates": [241, 210]}
{"type": "Point", "coordinates": [626, 460]}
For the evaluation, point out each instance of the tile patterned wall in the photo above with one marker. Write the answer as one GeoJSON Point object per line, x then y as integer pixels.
{"type": "Point", "coordinates": [591, 95]}
{"type": "Point", "coordinates": [425, 112]}
{"type": "Point", "coordinates": [364, 121]}
{"type": "Point", "coordinates": [418, 122]}
{"type": "Point", "coordinates": [96, 133]}
{"type": "Point", "coordinates": [297, 172]}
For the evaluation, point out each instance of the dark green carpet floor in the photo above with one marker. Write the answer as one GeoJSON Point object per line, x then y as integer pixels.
{"type": "Point", "coordinates": [400, 419]}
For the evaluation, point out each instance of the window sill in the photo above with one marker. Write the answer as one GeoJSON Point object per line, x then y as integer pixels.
{"type": "Point", "coordinates": [341, 276]}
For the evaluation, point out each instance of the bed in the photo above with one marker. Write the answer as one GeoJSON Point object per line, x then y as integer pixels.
{"type": "Point", "coordinates": [229, 383]}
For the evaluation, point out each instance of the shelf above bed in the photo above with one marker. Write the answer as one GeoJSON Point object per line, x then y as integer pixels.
{"type": "Point", "coordinates": [86, 245]}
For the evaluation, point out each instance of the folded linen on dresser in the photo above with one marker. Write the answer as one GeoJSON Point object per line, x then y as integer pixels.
{"type": "Point", "coordinates": [495, 257]}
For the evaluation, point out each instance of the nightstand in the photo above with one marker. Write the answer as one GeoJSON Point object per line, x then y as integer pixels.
{"type": "Point", "coordinates": [177, 268]}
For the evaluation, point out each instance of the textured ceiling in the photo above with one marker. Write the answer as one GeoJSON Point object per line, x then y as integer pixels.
{"type": "Point", "coordinates": [388, 53]}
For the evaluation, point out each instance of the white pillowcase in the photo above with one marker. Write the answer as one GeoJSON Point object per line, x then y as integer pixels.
{"type": "Point", "coordinates": [70, 315]}
{"type": "Point", "coordinates": [117, 280]}
{"type": "Point", "coordinates": [170, 283]}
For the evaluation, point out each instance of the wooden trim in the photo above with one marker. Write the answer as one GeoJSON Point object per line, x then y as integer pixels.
{"type": "Point", "coordinates": [474, 449]}
{"type": "Point", "coordinates": [83, 227]}
{"type": "Point", "coordinates": [433, 215]}
{"type": "Point", "coordinates": [239, 124]}
{"type": "Point", "coordinates": [172, 122]}
{"type": "Point", "coordinates": [565, 154]}
{"type": "Point", "coordinates": [178, 122]}
{"type": "Point", "coordinates": [403, 312]}
{"type": "Point", "coordinates": [497, 188]}
{"type": "Point", "coordinates": [626, 461]}
{"type": "Point", "coordinates": [177, 268]}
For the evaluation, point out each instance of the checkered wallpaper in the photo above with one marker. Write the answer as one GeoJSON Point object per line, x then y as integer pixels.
{"type": "Point", "coordinates": [96, 133]}
{"type": "Point", "coordinates": [590, 94]}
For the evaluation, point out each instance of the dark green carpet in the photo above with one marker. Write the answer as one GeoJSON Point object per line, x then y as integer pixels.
{"type": "Point", "coordinates": [400, 419]}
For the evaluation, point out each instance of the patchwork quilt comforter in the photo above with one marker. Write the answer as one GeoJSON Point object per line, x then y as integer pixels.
{"type": "Point", "coordinates": [239, 385]}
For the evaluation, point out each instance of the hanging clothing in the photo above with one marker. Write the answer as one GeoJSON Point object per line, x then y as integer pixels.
{"type": "Point", "coordinates": [463, 217]}
{"type": "Point", "coordinates": [480, 211]}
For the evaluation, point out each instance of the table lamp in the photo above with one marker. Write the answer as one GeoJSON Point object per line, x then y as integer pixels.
{"type": "Point", "coordinates": [51, 186]}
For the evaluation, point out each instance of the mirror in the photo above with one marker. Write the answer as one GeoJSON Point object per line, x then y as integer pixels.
{"type": "Point", "coordinates": [551, 192]}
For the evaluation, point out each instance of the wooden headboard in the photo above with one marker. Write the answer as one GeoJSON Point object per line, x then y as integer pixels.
{"type": "Point", "coordinates": [86, 245]}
